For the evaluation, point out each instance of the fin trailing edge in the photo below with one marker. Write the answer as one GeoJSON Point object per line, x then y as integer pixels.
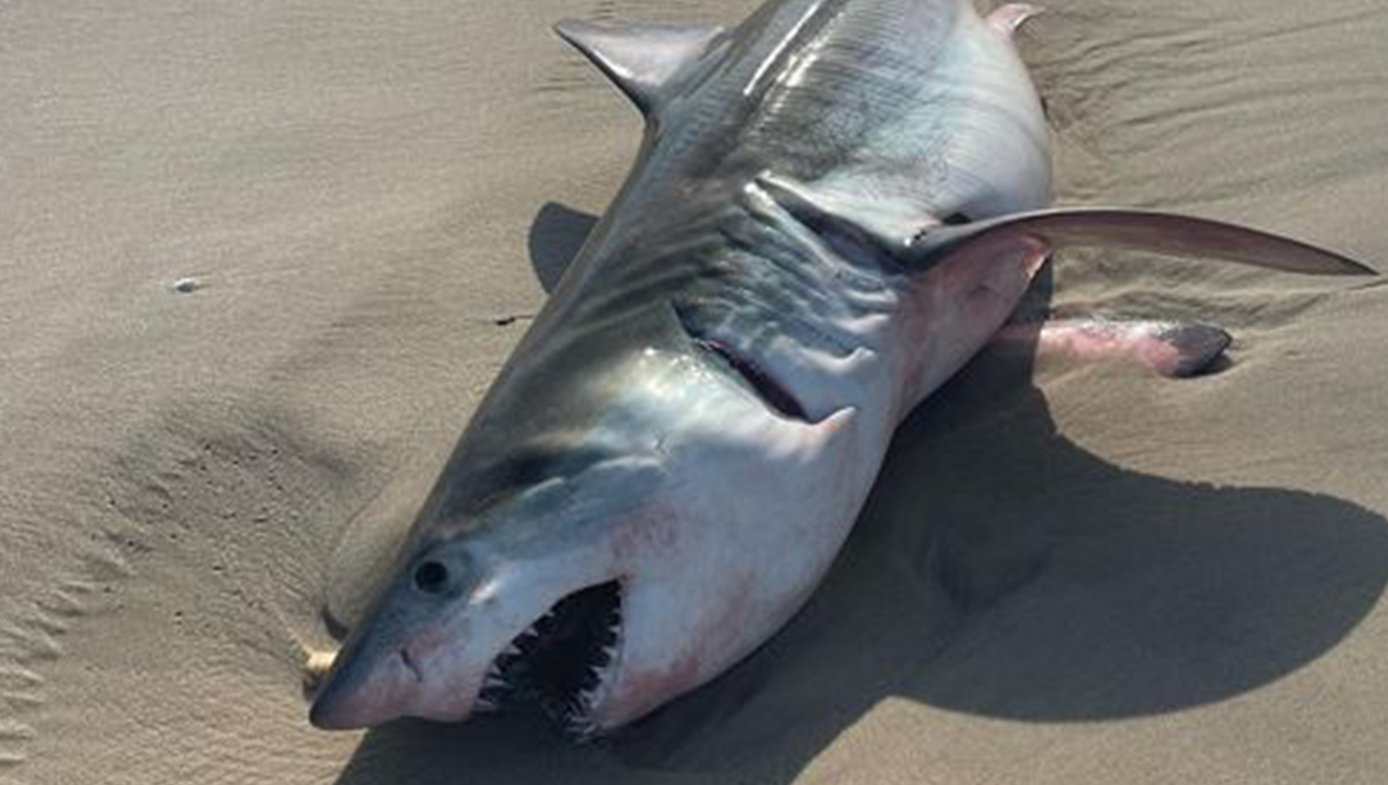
{"type": "Point", "coordinates": [641, 58]}
{"type": "Point", "coordinates": [1139, 230]}
{"type": "Point", "coordinates": [915, 244]}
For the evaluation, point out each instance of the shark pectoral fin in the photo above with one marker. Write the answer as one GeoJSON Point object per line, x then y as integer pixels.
{"type": "Point", "coordinates": [916, 243]}
{"type": "Point", "coordinates": [1171, 349]}
{"type": "Point", "coordinates": [1008, 18]}
{"type": "Point", "coordinates": [641, 58]}
{"type": "Point", "coordinates": [1140, 230]}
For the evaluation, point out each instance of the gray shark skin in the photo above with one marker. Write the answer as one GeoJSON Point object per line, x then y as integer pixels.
{"type": "Point", "coordinates": [835, 205]}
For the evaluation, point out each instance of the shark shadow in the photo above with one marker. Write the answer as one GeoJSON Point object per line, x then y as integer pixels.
{"type": "Point", "coordinates": [555, 236]}
{"type": "Point", "coordinates": [997, 569]}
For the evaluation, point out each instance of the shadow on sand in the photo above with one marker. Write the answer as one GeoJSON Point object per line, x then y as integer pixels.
{"type": "Point", "coordinates": [997, 570]}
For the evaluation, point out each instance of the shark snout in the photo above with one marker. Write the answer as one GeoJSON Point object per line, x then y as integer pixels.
{"type": "Point", "coordinates": [360, 693]}
{"type": "Point", "coordinates": [403, 682]}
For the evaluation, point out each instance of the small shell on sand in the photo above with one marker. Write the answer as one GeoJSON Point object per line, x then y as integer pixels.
{"type": "Point", "coordinates": [316, 667]}
{"type": "Point", "coordinates": [186, 285]}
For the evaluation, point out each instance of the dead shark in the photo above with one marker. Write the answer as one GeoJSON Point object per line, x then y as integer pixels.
{"type": "Point", "coordinates": [835, 205]}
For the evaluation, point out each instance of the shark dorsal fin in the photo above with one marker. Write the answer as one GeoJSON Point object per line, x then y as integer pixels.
{"type": "Point", "coordinates": [639, 57]}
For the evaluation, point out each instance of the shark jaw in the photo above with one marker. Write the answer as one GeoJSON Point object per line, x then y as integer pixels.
{"type": "Point", "coordinates": [588, 598]}
{"type": "Point", "coordinates": [567, 665]}
{"type": "Point", "coordinates": [564, 663]}
{"type": "Point", "coordinates": [464, 656]}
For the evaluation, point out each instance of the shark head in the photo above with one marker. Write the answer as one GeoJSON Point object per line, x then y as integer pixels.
{"type": "Point", "coordinates": [518, 604]}
{"type": "Point", "coordinates": [609, 577]}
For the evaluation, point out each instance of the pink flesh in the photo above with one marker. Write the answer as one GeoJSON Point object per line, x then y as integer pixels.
{"type": "Point", "coordinates": [1167, 349]}
{"type": "Point", "coordinates": [1006, 19]}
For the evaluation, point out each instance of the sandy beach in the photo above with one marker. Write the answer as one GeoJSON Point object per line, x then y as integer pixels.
{"type": "Point", "coordinates": [260, 260]}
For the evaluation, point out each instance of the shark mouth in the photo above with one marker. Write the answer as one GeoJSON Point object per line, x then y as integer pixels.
{"type": "Point", "coordinates": [561, 664]}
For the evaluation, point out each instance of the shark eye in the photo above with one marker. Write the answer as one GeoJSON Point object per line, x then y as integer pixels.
{"type": "Point", "coordinates": [956, 219]}
{"type": "Point", "coordinates": [431, 577]}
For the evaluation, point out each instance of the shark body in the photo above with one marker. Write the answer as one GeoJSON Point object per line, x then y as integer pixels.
{"type": "Point", "coordinates": [836, 204]}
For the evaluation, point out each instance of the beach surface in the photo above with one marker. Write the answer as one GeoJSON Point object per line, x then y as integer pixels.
{"type": "Point", "coordinates": [260, 260]}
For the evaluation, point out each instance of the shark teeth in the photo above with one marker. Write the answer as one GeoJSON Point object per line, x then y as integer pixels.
{"type": "Point", "coordinates": [563, 663]}
{"type": "Point", "coordinates": [579, 722]}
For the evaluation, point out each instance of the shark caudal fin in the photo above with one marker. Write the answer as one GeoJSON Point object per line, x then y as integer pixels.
{"type": "Point", "coordinates": [641, 58]}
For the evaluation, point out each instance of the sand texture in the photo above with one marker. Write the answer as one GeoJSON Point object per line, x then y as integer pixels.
{"type": "Point", "coordinates": [259, 260]}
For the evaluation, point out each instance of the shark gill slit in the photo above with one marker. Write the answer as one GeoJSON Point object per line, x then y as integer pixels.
{"type": "Point", "coordinates": [769, 389]}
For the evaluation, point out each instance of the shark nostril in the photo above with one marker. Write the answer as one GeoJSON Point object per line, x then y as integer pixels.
{"type": "Point", "coordinates": [431, 577]}
{"type": "Point", "coordinates": [411, 665]}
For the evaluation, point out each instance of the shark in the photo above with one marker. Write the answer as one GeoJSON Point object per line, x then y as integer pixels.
{"type": "Point", "coordinates": [835, 205]}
